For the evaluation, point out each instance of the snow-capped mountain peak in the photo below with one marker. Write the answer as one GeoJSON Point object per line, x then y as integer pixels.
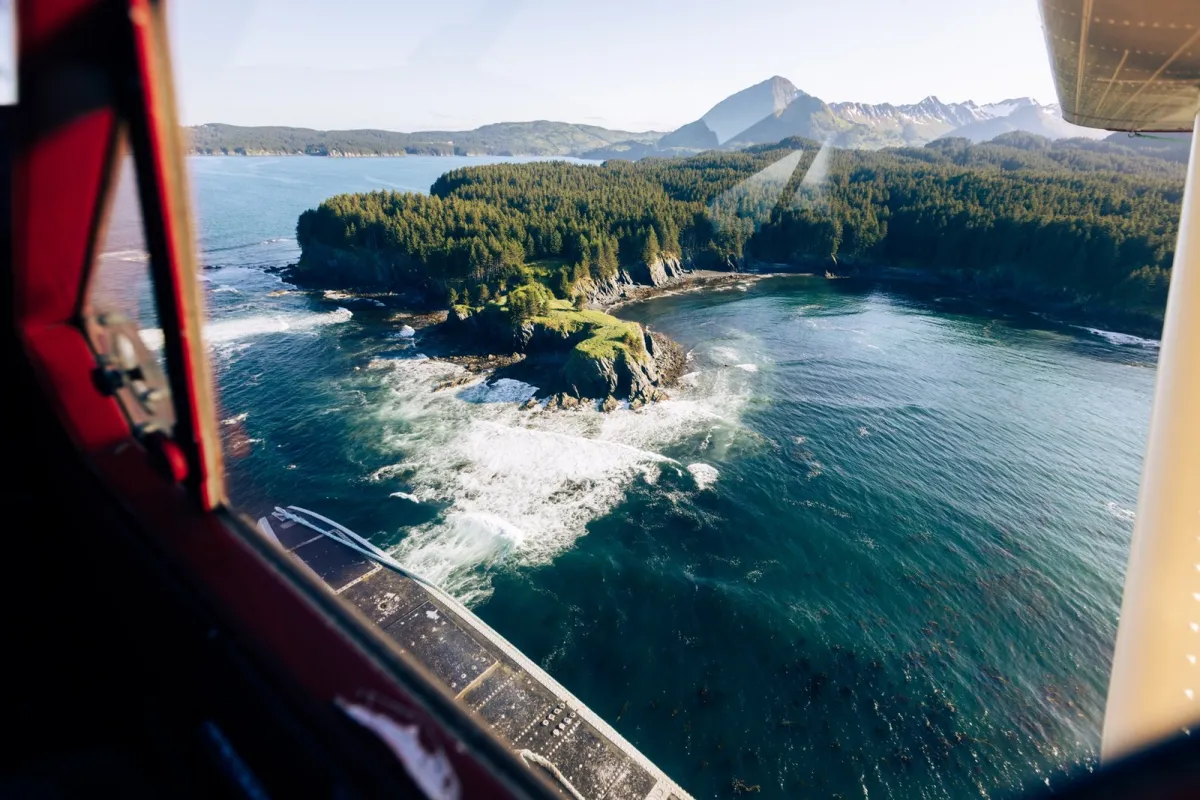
{"type": "Point", "coordinates": [1006, 107]}
{"type": "Point", "coordinates": [775, 109]}
{"type": "Point", "coordinates": [930, 117]}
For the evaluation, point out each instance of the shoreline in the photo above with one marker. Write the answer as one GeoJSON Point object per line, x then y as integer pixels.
{"type": "Point", "coordinates": [695, 281]}
{"type": "Point", "coordinates": [905, 281]}
{"type": "Point", "coordinates": [973, 290]}
{"type": "Point", "coordinates": [895, 279]}
{"type": "Point", "coordinates": [1067, 312]}
{"type": "Point", "coordinates": [899, 280]}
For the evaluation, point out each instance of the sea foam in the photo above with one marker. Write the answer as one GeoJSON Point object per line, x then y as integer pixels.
{"type": "Point", "coordinates": [519, 487]}
{"type": "Point", "coordinates": [227, 331]}
{"type": "Point", "coordinates": [705, 475]}
{"type": "Point", "coordinates": [1120, 512]}
{"type": "Point", "coordinates": [1124, 339]}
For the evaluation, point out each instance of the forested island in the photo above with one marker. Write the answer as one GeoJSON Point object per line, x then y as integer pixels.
{"type": "Point", "coordinates": [517, 251]}
{"type": "Point", "coordinates": [539, 138]}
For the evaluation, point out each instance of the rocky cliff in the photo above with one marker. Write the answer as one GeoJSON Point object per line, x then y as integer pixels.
{"type": "Point", "coordinates": [636, 373]}
{"type": "Point", "coordinates": [664, 270]}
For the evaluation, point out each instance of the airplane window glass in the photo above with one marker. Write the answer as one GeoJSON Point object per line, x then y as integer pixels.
{"type": "Point", "coordinates": [121, 280]}
{"type": "Point", "coordinates": [120, 313]}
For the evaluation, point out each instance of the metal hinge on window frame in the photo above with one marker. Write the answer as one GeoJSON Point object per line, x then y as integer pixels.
{"type": "Point", "coordinates": [130, 372]}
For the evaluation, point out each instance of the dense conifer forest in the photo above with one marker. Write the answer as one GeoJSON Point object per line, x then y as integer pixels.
{"type": "Point", "coordinates": [1089, 222]}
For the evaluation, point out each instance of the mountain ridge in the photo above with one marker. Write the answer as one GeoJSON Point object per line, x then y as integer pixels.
{"type": "Point", "coordinates": [1042, 120]}
{"type": "Point", "coordinates": [535, 137]}
{"type": "Point", "coordinates": [768, 111]}
{"type": "Point", "coordinates": [871, 126]}
{"type": "Point", "coordinates": [848, 123]}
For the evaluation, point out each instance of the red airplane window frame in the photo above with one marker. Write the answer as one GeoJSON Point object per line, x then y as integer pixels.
{"type": "Point", "coordinates": [91, 74]}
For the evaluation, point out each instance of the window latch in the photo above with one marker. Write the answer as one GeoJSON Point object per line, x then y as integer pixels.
{"type": "Point", "coordinates": [129, 371]}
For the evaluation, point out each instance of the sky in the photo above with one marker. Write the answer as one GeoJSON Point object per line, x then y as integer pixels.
{"type": "Point", "coordinates": [624, 64]}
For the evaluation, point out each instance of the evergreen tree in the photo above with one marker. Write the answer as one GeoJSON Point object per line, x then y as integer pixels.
{"type": "Point", "coordinates": [563, 286]}
{"type": "Point", "coordinates": [527, 302]}
{"type": "Point", "coordinates": [609, 265]}
{"type": "Point", "coordinates": [578, 272]}
{"type": "Point", "coordinates": [650, 249]}
{"type": "Point", "coordinates": [668, 237]}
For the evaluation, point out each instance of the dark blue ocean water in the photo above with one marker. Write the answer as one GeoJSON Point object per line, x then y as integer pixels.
{"type": "Point", "coordinates": [872, 546]}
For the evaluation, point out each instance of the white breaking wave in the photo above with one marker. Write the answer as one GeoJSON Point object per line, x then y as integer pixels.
{"type": "Point", "coordinates": [227, 331]}
{"type": "Point", "coordinates": [1120, 512]}
{"type": "Point", "coordinates": [1114, 337]}
{"type": "Point", "coordinates": [519, 486]}
{"type": "Point", "coordinates": [747, 367]}
{"type": "Point", "coordinates": [412, 498]}
{"type": "Point", "coordinates": [705, 474]}
{"type": "Point", "coordinates": [231, 330]}
{"type": "Point", "coordinates": [465, 538]}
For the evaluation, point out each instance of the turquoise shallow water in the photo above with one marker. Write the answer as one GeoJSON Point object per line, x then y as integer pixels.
{"type": "Point", "coordinates": [872, 547]}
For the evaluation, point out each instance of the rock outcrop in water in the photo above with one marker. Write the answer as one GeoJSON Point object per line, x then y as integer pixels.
{"type": "Point", "coordinates": [621, 372]}
{"type": "Point", "coordinates": [601, 356]}
{"type": "Point", "coordinates": [585, 353]}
